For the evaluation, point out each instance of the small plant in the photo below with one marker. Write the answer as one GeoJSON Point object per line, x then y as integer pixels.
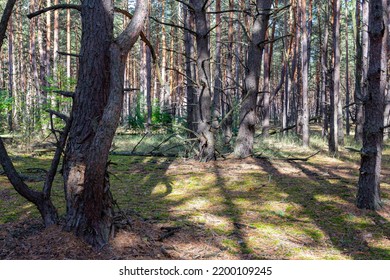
{"type": "Point", "coordinates": [5, 105]}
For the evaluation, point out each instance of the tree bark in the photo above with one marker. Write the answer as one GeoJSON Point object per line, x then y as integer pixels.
{"type": "Point", "coordinates": [335, 89]}
{"type": "Point", "coordinates": [190, 73]}
{"type": "Point", "coordinates": [228, 95]}
{"type": "Point", "coordinates": [368, 196]}
{"type": "Point", "coordinates": [68, 46]}
{"type": "Point", "coordinates": [244, 142]}
{"type": "Point", "coordinates": [218, 71]}
{"type": "Point", "coordinates": [347, 93]}
{"type": "Point", "coordinates": [40, 199]}
{"type": "Point", "coordinates": [10, 72]}
{"type": "Point", "coordinates": [205, 130]}
{"type": "Point", "coordinates": [5, 18]}
{"type": "Point", "coordinates": [97, 106]}
{"type": "Point", "coordinates": [361, 66]}
{"type": "Point", "coordinates": [266, 110]}
{"type": "Point", "coordinates": [305, 75]}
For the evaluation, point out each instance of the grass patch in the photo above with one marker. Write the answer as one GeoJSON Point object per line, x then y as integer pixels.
{"type": "Point", "coordinates": [253, 208]}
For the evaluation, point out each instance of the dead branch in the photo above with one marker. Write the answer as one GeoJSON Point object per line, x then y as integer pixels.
{"type": "Point", "coordinates": [58, 114]}
{"type": "Point", "coordinates": [303, 159]}
{"type": "Point", "coordinates": [288, 159]}
{"type": "Point", "coordinates": [68, 54]}
{"type": "Point", "coordinates": [65, 93]}
{"type": "Point", "coordinates": [56, 160]}
{"type": "Point", "coordinates": [174, 25]}
{"type": "Point", "coordinates": [186, 4]}
{"type": "Point", "coordinates": [138, 154]}
{"type": "Point", "coordinates": [131, 89]}
{"type": "Point", "coordinates": [245, 11]}
{"type": "Point", "coordinates": [287, 128]}
{"type": "Point", "coordinates": [163, 142]}
{"type": "Point", "coordinates": [139, 142]}
{"type": "Point", "coordinates": [55, 7]}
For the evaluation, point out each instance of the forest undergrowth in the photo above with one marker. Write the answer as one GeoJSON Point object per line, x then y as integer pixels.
{"type": "Point", "coordinates": [287, 202]}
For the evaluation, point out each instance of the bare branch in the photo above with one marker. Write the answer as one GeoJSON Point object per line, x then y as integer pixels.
{"type": "Point", "coordinates": [212, 28]}
{"type": "Point", "coordinates": [55, 7]}
{"type": "Point", "coordinates": [56, 160]}
{"type": "Point", "coordinates": [186, 4]}
{"type": "Point", "coordinates": [175, 25]}
{"type": "Point", "coordinates": [64, 93]}
{"type": "Point", "coordinates": [206, 4]}
{"type": "Point", "coordinates": [246, 11]}
{"type": "Point", "coordinates": [303, 159]}
{"type": "Point", "coordinates": [131, 89]}
{"type": "Point", "coordinates": [58, 114]}
{"type": "Point", "coordinates": [181, 73]}
{"type": "Point", "coordinates": [135, 147]}
{"type": "Point", "coordinates": [68, 54]}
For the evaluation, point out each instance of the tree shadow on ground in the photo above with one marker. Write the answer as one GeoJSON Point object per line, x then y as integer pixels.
{"type": "Point", "coordinates": [233, 209]}
{"type": "Point", "coordinates": [331, 207]}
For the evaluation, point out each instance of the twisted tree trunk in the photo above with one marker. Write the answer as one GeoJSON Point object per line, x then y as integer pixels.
{"type": "Point", "coordinates": [248, 118]}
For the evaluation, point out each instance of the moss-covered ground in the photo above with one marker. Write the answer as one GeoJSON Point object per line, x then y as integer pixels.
{"type": "Point", "coordinates": [267, 207]}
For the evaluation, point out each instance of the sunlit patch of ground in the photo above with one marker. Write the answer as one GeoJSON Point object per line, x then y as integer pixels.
{"type": "Point", "coordinates": [258, 208]}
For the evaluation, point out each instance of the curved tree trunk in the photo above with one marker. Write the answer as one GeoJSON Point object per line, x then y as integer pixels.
{"type": "Point", "coordinates": [205, 130]}
{"type": "Point", "coordinates": [40, 199]}
{"type": "Point", "coordinates": [90, 99]}
{"type": "Point", "coordinates": [96, 112]}
{"type": "Point", "coordinates": [248, 118]}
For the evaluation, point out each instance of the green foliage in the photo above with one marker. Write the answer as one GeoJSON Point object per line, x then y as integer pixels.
{"type": "Point", "coordinates": [159, 117]}
{"type": "Point", "coordinates": [5, 102]}
{"type": "Point", "coordinates": [5, 105]}
{"type": "Point", "coordinates": [137, 120]}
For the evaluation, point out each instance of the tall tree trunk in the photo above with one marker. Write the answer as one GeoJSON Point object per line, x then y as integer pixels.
{"type": "Point", "coordinates": [218, 71]}
{"type": "Point", "coordinates": [68, 46]}
{"type": "Point", "coordinates": [335, 90]}
{"type": "Point", "coordinates": [55, 53]}
{"type": "Point", "coordinates": [96, 111]}
{"type": "Point", "coordinates": [48, 43]}
{"type": "Point", "coordinates": [324, 73]}
{"type": "Point", "coordinates": [361, 66]}
{"type": "Point", "coordinates": [164, 87]}
{"type": "Point", "coordinates": [148, 78]}
{"type": "Point", "coordinates": [285, 95]}
{"type": "Point", "coordinates": [268, 50]}
{"type": "Point", "coordinates": [244, 142]}
{"type": "Point", "coordinates": [89, 211]}
{"type": "Point", "coordinates": [205, 131]}
{"type": "Point", "coordinates": [190, 73]}
{"type": "Point", "coordinates": [228, 95]}
{"type": "Point", "coordinates": [10, 71]}
{"type": "Point", "coordinates": [368, 196]}
{"type": "Point", "coordinates": [305, 75]}
{"type": "Point", "coordinates": [347, 93]}
{"type": "Point", "coordinates": [358, 97]}
{"type": "Point", "coordinates": [297, 92]}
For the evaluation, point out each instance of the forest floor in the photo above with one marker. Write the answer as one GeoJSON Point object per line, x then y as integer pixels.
{"type": "Point", "coordinates": [283, 204]}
